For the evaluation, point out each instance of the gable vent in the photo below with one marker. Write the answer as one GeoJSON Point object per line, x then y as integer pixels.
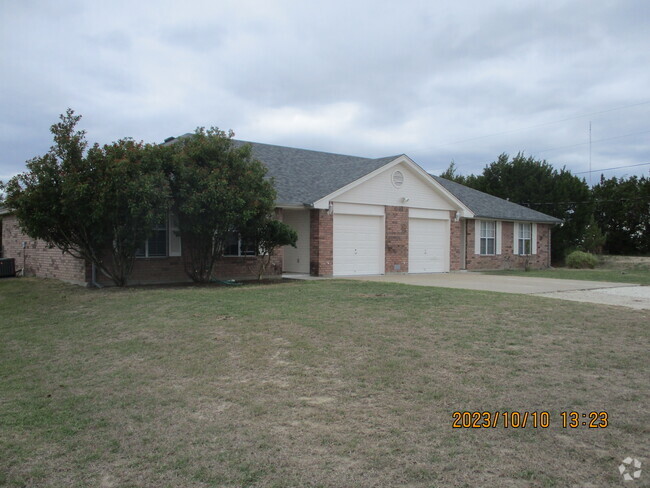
{"type": "Point", "coordinates": [397, 179]}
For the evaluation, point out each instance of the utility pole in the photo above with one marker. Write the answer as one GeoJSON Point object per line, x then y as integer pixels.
{"type": "Point", "coordinates": [590, 154]}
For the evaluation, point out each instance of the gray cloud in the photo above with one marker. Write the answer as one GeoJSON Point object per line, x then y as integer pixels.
{"type": "Point", "coordinates": [462, 80]}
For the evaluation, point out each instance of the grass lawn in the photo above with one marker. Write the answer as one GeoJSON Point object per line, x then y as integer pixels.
{"type": "Point", "coordinates": [612, 268]}
{"type": "Point", "coordinates": [308, 384]}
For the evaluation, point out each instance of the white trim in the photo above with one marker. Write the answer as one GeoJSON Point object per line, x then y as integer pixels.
{"type": "Point", "coordinates": [497, 237]}
{"type": "Point", "coordinates": [515, 237]}
{"type": "Point", "coordinates": [323, 203]}
{"type": "Point", "coordinates": [477, 237]}
{"type": "Point", "coordinates": [293, 207]}
{"type": "Point", "coordinates": [421, 213]}
{"type": "Point", "coordinates": [533, 238]}
{"type": "Point", "coordinates": [357, 209]}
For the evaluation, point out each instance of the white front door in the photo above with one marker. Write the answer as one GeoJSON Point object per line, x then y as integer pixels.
{"type": "Point", "coordinates": [428, 246]}
{"type": "Point", "coordinates": [358, 245]}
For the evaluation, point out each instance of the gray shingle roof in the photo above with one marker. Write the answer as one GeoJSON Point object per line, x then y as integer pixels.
{"type": "Point", "coordinates": [491, 207]}
{"type": "Point", "coordinates": [303, 177]}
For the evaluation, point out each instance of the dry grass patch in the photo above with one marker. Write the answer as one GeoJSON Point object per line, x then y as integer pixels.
{"type": "Point", "coordinates": [617, 269]}
{"type": "Point", "coordinates": [326, 383]}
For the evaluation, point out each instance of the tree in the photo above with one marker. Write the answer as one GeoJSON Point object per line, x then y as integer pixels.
{"type": "Point", "coordinates": [594, 239]}
{"type": "Point", "coordinates": [622, 209]}
{"type": "Point", "coordinates": [98, 206]}
{"type": "Point", "coordinates": [537, 185]}
{"type": "Point", "coordinates": [217, 188]}
{"type": "Point", "coordinates": [450, 174]}
{"type": "Point", "coordinates": [269, 236]}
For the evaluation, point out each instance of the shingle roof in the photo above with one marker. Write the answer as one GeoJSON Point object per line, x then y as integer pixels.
{"type": "Point", "coordinates": [303, 177]}
{"type": "Point", "coordinates": [491, 207]}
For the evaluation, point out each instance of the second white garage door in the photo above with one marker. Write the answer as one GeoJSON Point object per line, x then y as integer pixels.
{"type": "Point", "coordinates": [428, 246]}
{"type": "Point", "coordinates": [358, 245]}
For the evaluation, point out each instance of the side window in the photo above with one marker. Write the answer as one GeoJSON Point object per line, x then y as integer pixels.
{"type": "Point", "coordinates": [156, 244]}
{"type": "Point", "coordinates": [524, 239]}
{"type": "Point", "coordinates": [488, 237]}
{"type": "Point", "coordinates": [236, 246]}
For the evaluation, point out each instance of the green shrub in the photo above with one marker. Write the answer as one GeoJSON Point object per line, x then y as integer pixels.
{"type": "Point", "coordinates": [580, 260]}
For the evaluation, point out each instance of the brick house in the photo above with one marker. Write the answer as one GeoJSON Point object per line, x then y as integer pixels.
{"type": "Point", "coordinates": [353, 216]}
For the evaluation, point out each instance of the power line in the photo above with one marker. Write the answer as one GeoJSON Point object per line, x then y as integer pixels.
{"type": "Point", "coordinates": [610, 169]}
{"type": "Point", "coordinates": [541, 125]}
{"type": "Point", "coordinates": [584, 202]}
{"type": "Point", "coordinates": [596, 170]}
{"type": "Point", "coordinates": [585, 143]}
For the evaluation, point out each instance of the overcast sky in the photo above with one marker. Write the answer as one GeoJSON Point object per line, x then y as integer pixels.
{"type": "Point", "coordinates": [440, 81]}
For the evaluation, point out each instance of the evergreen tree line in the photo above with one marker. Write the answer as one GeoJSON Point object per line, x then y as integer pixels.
{"type": "Point", "coordinates": [612, 216]}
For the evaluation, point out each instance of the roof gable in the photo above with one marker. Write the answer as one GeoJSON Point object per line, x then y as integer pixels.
{"type": "Point", "coordinates": [416, 189]}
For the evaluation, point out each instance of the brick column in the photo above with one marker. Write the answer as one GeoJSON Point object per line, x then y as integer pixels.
{"type": "Point", "coordinates": [321, 248]}
{"type": "Point", "coordinates": [455, 239]}
{"type": "Point", "coordinates": [397, 240]}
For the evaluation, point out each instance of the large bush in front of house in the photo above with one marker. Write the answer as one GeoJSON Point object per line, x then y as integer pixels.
{"type": "Point", "coordinates": [270, 236]}
{"type": "Point", "coordinates": [581, 260]}
{"type": "Point", "coordinates": [96, 204]}
{"type": "Point", "coordinates": [217, 188]}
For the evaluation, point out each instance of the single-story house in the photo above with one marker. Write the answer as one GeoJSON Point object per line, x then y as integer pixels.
{"type": "Point", "coordinates": [353, 216]}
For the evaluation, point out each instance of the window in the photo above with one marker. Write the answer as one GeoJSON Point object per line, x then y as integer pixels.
{"type": "Point", "coordinates": [156, 245]}
{"type": "Point", "coordinates": [488, 237]}
{"type": "Point", "coordinates": [236, 246]}
{"type": "Point", "coordinates": [524, 239]}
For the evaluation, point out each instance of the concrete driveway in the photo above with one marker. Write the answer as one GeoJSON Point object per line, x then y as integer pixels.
{"type": "Point", "coordinates": [603, 292]}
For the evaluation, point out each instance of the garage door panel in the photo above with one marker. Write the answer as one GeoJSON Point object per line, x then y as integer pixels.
{"type": "Point", "coordinates": [428, 245]}
{"type": "Point", "coordinates": [358, 244]}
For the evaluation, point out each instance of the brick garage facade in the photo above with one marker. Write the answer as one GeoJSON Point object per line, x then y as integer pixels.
{"type": "Point", "coordinates": [397, 240]}
{"type": "Point", "coordinates": [507, 259]}
{"type": "Point", "coordinates": [455, 242]}
{"type": "Point", "coordinates": [321, 243]}
{"type": "Point", "coordinates": [37, 258]}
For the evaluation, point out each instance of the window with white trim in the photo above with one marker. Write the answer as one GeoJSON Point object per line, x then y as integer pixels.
{"type": "Point", "coordinates": [488, 237]}
{"type": "Point", "coordinates": [238, 246]}
{"type": "Point", "coordinates": [156, 245]}
{"type": "Point", "coordinates": [524, 238]}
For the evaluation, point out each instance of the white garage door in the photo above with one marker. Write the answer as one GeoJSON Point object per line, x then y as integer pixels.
{"type": "Point", "coordinates": [358, 245]}
{"type": "Point", "coordinates": [428, 246]}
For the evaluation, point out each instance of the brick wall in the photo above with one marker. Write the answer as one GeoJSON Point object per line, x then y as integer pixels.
{"type": "Point", "coordinates": [321, 245]}
{"type": "Point", "coordinates": [397, 240]}
{"type": "Point", "coordinates": [507, 259]}
{"type": "Point", "coordinates": [39, 259]}
{"type": "Point", "coordinates": [171, 270]}
{"type": "Point", "coordinates": [455, 237]}
{"type": "Point", "coordinates": [45, 262]}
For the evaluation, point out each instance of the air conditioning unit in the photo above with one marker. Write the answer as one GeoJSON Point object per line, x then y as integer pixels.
{"type": "Point", "coordinates": [7, 267]}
